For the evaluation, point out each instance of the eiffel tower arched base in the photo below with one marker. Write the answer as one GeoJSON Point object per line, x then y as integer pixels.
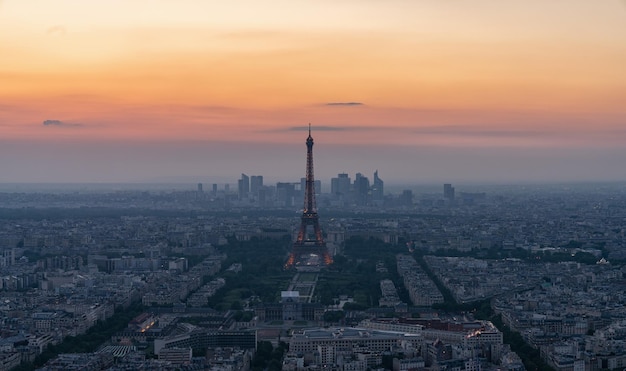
{"type": "Point", "coordinates": [309, 255]}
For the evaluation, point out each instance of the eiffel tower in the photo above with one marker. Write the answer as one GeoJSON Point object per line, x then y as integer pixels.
{"type": "Point", "coordinates": [309, 243]}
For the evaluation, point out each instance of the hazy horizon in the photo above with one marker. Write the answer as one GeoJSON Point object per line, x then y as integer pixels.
{"type": "Point", "coordinates": [158, 162]}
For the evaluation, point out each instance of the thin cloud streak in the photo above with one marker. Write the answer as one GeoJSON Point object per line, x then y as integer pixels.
{"type": "Point", "coordinates": [344, 104]}
{"type": "Point", "coordinates": [56, 30]}
{"type": "Point", "coordinates": [518, 134]}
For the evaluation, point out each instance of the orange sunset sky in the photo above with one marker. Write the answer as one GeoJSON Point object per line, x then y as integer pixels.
{"type": "Point", "coordinates": [422, 90]}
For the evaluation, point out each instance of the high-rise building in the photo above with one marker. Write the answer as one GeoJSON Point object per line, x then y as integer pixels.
{"type": "Point", "coordinates": [448, 191]}
{"type": "Point", "coordinates": [377, 188]}
{"type": "Point", "coordinates": [361, 189]}
{"type": "Point", "coordinates": [309, 244]}
{"type": "Point", "coordinates": [243, 186]}
{"type": "Point", "coordinates": [199, 187]}
{"type": "Point", "coordinates": [256, 183]}
{"type": "Point", "coordinates": [334, 186]}
{"type": "Point", "coordinates": [214, 189]}
{"type": "Point", "coordinates": [340, 185]}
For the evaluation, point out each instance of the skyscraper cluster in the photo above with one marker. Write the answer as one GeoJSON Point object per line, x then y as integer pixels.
{"type": "Point", "coordinates": [359, 192]}
{"type": "Point", "coordinates": [249, 186]}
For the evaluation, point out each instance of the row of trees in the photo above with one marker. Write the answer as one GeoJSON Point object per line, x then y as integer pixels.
{"type": "Point", "coordinates": [262, 275]}
{"type": "Point", "coordinates": [529, 355]}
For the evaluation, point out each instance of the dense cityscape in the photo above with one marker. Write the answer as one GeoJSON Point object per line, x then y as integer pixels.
{"type": "Point", "coordinates": [431, 281]}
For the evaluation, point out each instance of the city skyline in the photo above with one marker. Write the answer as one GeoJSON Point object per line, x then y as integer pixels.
{"type": "Point", "coordinates": [425, 92]}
